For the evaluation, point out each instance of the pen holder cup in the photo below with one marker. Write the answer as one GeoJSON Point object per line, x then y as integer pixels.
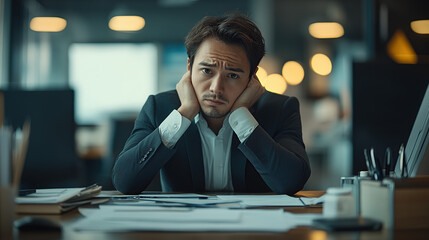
{"type": "Point", "coordinates": [7, 211]}
{"type": "Point", "coordinates": [398, 203]}
{"type": "Point", "coordinates": [354, 184]}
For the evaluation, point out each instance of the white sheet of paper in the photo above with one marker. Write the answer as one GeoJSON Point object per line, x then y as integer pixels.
{"type": "Point", "coordinates": [251, 220]}
{"type": "Point", "coordinates": [143, 214]}
{"type": "Point", "coordinates": [301, 219]}
{"type": "Point", "coordinates": [194, 201]}
{"type": "Point", "coordinates": [265, 200]}
{"type": "Point", "coordinates": [175, 195]}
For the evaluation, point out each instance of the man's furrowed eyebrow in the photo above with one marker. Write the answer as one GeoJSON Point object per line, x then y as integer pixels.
{"type": "Point", "coordinates": [234, 69]}
{"type": "Point", "coordinates": [214, 65]}
{"type": "Point", "coordinates": [207, 64]}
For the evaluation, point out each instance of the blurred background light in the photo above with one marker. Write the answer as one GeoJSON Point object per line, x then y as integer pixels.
{"type": "Point", "coordinates": [262, 75]}
{"type": "Point", "coordinates": [126, 23]}
{"type": "Point", "coordinates": [420, 26]}
{"type": "Point", "coordinates": [293, 72]}
{"type": "Point", "coordinates": [400, 49]}
{"type": "Point", "coordinates": [276, 83]}
{"type": "Point", "coordinates": [321, 64]}
{"type": "Point", "coordinates": [326, 30]}
{"type": "Point", "coordinates": [48, 24]}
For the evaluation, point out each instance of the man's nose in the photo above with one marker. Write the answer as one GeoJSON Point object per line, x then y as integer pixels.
{"type": "Point", "coordinates": [216, 85]}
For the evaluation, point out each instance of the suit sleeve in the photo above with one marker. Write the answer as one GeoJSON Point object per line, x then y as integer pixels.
{"type": "Point", "coordinates": [280, 159]}
{"type": "Point", "coordinates": [143, 155]}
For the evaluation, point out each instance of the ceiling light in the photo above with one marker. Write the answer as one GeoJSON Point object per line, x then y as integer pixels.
{"type": "Point", "coordinates": [326, 30]}
{"type": "Point", "coordinates": [420, 26]}
{"type": "Point", "coordinates": [126, 23]}
{"type": "Point", "coordinates": [48, 24]}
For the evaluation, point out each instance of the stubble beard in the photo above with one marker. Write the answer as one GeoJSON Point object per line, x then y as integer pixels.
{"type": "Point", "coordinates": [213, 111]}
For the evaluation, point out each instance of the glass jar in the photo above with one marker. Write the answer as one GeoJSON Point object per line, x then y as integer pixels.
{"type": "Point", "coordinates": [338, 203]}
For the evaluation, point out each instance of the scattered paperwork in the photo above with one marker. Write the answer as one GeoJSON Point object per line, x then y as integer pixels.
{"type": "Point", "coordinates": [194, 213]}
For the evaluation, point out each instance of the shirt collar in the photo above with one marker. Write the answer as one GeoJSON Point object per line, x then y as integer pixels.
{"type": "Point", "coordinates": [201, 121]}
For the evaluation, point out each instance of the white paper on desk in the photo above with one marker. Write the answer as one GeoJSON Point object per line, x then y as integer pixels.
{"type": "Point", "coordinates": [142, 214]}
{"type": "Point", "coordinates": [47, 196]}
{"type": "Point", "coordinates": [125, 208]}
{"type": "Point", "coordinates": [265, 200]}
{"type": "Point", "coordinates": [195, 201]}
{"type": "Point", "coordinates": [174, 195]}
{"type": "Point", "coordinates": [142, 202]}
{"type": "Point", "coordinates": [252, 220]}
{"type": "Point", "coordinates": [301, 219]}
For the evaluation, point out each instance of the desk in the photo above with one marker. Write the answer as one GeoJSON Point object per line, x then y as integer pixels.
{"type": "Point", "coordinates": [297, 233]}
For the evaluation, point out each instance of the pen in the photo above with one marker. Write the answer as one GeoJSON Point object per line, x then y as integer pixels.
{"type": "Point", "coordinates": [387, 161]}
{"type": "Point", "coordinates": [376, 166]}
{"type": "Point", "coordinates": [402, 162]}
{"type": "Point", "coordinates": [368, 163]}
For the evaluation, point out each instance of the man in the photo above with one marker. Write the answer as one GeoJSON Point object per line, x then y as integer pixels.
{"type": "Point", "coordinates": [219, 130]}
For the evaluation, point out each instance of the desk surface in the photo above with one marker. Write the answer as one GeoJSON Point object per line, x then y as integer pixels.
{"type": "Point", "coordinates": [297, 233]}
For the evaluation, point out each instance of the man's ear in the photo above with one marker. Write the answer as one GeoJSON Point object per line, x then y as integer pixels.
{"type": "Point", "coordinates": [189, 65]}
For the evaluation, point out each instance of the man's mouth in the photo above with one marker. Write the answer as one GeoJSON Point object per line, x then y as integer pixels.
{"type": "Point", "coordinates": [214, 100]}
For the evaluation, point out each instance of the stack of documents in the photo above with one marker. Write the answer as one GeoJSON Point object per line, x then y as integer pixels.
{"type": "Point", "coordinates": [55, 200]}
{"type": "Point", "coordinates": [192, 212]}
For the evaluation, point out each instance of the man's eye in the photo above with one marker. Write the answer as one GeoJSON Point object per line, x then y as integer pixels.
{"type": "Point", "coordinates": [206, 71]}
{"type": "Point", "coordinates": [233, 76]}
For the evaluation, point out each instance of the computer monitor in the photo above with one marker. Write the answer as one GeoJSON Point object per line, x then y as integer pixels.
{"type": "Point", "coordinates": [417, 148]}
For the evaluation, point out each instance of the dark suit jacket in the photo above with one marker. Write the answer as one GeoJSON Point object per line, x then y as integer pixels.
{"type": "Point", "coordinates": [272, 158]}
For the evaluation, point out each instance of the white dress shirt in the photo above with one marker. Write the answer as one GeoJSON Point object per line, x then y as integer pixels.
{"type": "Point", "coordinates": [216, 149]}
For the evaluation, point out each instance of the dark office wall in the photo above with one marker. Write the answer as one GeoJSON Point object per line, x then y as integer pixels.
{"type": "Point", "coordinates": [386, 99]}
{"type": "Point", "coordinates": [51, 158]}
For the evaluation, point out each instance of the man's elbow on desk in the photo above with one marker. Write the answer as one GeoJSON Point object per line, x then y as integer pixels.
{"type": "Point", "coordinates": [294, 183]}
{"type": "Point", "coordinates": [125, 183]}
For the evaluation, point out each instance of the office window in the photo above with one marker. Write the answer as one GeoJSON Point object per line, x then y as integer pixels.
{"type": "Point", "coordinates": [111, 78]}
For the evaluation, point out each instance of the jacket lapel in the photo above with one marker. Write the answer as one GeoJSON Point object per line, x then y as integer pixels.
{"type": "Point", "coordinates": [195, 155]}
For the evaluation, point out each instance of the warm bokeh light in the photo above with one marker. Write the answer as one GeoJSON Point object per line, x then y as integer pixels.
{"type": "Point", "coordinates": [293, 72]}
{"type": "Point", "coordinates": [326, 30]}
{"type": "Point", "coordinates": [318, 235]}
{"type": "Point", "coordinates": [126, 23]}
{"type": "Point", "coordinates": [420, 26]}
{"type": "Point", "coordinates": [276, 83]}
{"type": "Point", "coordinates": [321, 64]}
{"type": "Point", "coordinates": [400, 49]}
{"type": "Point", "coordinates": [48, 24]}
{"type": "Point", "coordinates": [262, 75]}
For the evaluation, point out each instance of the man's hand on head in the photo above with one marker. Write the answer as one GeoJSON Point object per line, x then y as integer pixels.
{"type": "Point", "coordinates": [250, 95]}
{"type": "Point", "coordinates": [189, 107]}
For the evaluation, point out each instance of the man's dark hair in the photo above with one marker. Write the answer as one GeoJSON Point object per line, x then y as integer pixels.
{"type": "Point", "coordinates": [231, 29]}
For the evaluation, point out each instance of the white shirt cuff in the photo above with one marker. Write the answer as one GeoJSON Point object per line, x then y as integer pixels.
{"type": "Point", "coordinates": [243, 123]}
{"type": "Point", "coordinates": [172, 128]}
